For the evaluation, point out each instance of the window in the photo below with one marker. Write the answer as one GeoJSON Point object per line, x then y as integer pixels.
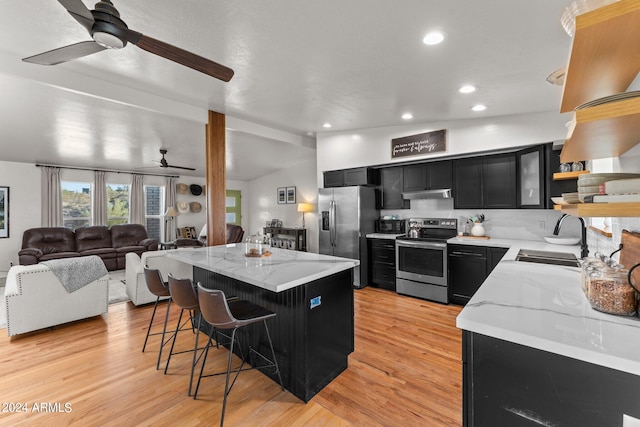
{"type": "Point", "coordinates": [154, 211]}
{"type": "Point", "coordinates": [117, 204]}
{"type": "Point", "coordinates": [76, 204]}
{"type": "Point", "coordinates": [234, 207]}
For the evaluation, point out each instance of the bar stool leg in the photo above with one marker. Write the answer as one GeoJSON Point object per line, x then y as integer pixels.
{"type": "Point", "coordinates": [273, 354]}
{"type": "Point", "coordinates": [226, 386]}
{"type": "Point", "coordinates": [164, 331]}
{"type": "Point", "coordinates": [195, 352]}
{"type": "Point", "coordinates": [173, 342]}
{"type": "Point", "coordinates": [153, 315]}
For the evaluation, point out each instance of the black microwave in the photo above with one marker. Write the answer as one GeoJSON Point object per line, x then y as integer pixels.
{"type": "Point", "coordinates": [394, 226]}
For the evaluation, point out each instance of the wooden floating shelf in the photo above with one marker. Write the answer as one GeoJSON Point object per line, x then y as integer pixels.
{"type": "Point", "coordinates": [601, 209]}
{"type": "Point", "coordinates": [604, 57]}
{"type": "Point", "coordinates": [561, 176]}
{"type": "Point", "coordinates": [604, 60]}
{"type": "Point", "coordinates": [605, 233]}
{"type": "Point", "coordinates": [607, 130]}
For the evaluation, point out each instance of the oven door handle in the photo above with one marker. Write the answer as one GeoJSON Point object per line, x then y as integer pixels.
{"type": "Point", "coordinates": [421, 244]}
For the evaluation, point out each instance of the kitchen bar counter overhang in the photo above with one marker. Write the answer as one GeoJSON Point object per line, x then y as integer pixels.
{"type": "Point", "coordinates": [312, 295]}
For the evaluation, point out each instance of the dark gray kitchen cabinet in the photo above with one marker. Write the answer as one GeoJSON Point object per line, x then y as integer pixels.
{"type": "Point", "coordinates": [391, 187]}
{"type": "Point", "coordinates": [349, 177]}
{"type": "Point", "coordinates": [467, 183]}
{"type": "Point", "coordinates": [469, 266]}
{"type": "Point", "coordinates": [415, 177]}
{"type": "Point", "coordinates": [333, 179]}
{"type": "Point", "coordinates": [499, 181]}
{"type": "Point", "coordinates": [467, 270]}
{"type": "Point", "coordinates": [383, 263]}
{"type": "Point", "coordinates": [487, 182]}
{"type": "Point", "coordinates": [440, 175]}
{"type": "Point", "coordinates": [428, 176]}
{"type": "Point", "coordinates": [494, 255]}
{"type": "Point", "coordinates": [509, 384]}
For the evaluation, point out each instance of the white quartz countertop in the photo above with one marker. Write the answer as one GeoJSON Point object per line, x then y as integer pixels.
{"type": "Point", "coordinates": [543, 306]}
{"type": "Point", "coordinates": [388, 236]}
{"type": "Point", "coordinates": [283, 269]}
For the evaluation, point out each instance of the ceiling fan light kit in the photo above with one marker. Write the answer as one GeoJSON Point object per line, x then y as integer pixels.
{"type": "Point", "coordinates": [110, 32]}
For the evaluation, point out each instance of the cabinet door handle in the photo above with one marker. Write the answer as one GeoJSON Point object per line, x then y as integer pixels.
{"type": "Point", "coordinates": [466, 253]}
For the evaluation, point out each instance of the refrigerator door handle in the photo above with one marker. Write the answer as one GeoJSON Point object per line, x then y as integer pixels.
{"type": "Point", "coordinates": [332, 220]}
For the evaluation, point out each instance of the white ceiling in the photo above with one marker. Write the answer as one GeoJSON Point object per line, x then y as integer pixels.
{"type": "Point", "coordinates": [298, 63]}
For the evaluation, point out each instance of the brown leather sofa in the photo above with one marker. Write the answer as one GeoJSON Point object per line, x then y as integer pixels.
{"type": "Point", "coordinates": [111, 245]}
{"type": "Point", "coordinates": [234, 235]}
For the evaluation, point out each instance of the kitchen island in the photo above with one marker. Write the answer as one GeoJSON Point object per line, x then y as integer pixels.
{"type": "Point", "coordinates": [536, 353]}
{"type": "Point", "coordinates": [312, 294]}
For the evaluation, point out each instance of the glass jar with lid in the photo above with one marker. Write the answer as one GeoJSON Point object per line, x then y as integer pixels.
{"type": "Point", "coordinates": [588, 266]}
{"type": "Point", "coordinates": [255, 246]}
{"type": "Point", "coordinates": [610, 292]}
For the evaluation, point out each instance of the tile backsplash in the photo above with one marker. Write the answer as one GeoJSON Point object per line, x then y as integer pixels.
{"type": "Point", "coordinates": [524, 224]}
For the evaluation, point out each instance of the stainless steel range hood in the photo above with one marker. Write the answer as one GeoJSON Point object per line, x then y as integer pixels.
{"type": "Point", "coordinates": [428, 194]}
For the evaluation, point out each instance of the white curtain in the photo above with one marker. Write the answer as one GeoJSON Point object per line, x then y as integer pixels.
{"type": "Point", "coordinates": [99, 211]}
{"type": "Point", "coordinates": [170, 200]}
{"type": "Point", "coordinates": [51, 197]}
{"type": "Point", "coordinates": [136, 202]}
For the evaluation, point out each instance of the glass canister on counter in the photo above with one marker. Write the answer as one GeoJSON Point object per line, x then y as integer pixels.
{"type": "Point", "coordinates": [589, 265]}
{"type": "Point", "coordinates": [255, 246]}
{"type": "Point", "coordinates": [609, 291]}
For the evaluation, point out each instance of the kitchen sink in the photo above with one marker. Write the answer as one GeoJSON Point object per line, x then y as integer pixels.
{"type": "Point", "coordinates": [547, 257]}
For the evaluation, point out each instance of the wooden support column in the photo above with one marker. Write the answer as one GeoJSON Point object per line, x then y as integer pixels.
{"type": "Point", "coordinates": [216, 179]}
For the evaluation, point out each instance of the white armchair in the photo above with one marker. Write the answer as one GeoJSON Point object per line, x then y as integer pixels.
{"type": "Point", "coordinates": [136, 285]}
{"type": "Point", "coordinates": [35, 299]}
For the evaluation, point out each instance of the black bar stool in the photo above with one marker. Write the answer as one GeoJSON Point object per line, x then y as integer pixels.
{"type": "Point", "coordinates": [234, 314]}
{"type": "Point", "coordinates": [159, 288]}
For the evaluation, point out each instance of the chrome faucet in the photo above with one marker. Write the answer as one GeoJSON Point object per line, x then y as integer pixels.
{"type": "Point", "coordinates": [584, 249]}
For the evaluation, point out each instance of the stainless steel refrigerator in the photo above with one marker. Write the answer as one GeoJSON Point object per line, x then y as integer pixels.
{"type": "Point", "coordinates": [347, 215]}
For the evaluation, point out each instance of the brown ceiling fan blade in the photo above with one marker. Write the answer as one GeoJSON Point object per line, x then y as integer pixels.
{"type": "Point", "coordinates": [79, 11]}
{"type": "Point", "coordinates": [66, 53]}
{"type": "Point", "coordinates": [180, 56]}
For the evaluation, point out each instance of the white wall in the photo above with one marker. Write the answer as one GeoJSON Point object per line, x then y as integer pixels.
{"type": "Point", "coordinates": [264, 206]}
{"type": "Point", "coordinates": [365, 147]}
{"type": "Point", "coordinates": [23, 180]}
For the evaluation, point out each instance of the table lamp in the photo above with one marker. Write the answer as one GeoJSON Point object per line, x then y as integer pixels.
{"type": "Point", "coordinates": [304, 207]}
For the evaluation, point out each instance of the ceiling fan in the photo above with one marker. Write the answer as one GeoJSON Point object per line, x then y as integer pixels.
{"type": "Point", "coordinates": [110, 32]}
{"type": "Point", "coordinates": [164, 164]}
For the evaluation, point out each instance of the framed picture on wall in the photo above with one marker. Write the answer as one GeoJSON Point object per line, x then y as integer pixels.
{"type": "Point", "coordinates": [4, 212]}
{"type": "Point", "coordinates": [291, 194]}
{"type": "Point", "coordinates": [282, 195]}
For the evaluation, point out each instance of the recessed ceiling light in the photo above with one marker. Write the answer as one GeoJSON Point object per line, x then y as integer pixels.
{"type": "Point", "coordinates": [479, 107]}
{"type": "Point", "coordinates": [467, 89]}
{"type": "Point", "coordinates": [407, 116]}
{"type": "Point", "coordinates": [433, 37]}
{"type": "Point", "coordinates": [326, 125]}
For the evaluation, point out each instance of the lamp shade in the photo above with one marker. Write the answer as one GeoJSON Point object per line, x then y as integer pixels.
{"type": "Point", "coordinates": [171, 211]}
{"type": "Point", "coordinates": [305, 207]}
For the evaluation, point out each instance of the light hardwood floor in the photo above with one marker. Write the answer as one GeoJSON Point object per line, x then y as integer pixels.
{"type": "Point", "coordinates": [406, 371]}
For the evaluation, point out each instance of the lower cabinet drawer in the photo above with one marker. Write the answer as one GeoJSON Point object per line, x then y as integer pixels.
{"type": "Point", "coordinates": [384, 276]}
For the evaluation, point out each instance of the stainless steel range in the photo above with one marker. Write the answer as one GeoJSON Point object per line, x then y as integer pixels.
{"type": "Point", "coordinates": [421, 258]}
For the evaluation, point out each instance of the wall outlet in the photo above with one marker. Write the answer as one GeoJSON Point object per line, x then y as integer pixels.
{"type": "Point", "coordinates": [542, 225]}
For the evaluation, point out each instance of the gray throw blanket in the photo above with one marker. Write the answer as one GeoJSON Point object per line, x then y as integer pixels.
{"type": "Point", "coordinates": [75, 273]}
